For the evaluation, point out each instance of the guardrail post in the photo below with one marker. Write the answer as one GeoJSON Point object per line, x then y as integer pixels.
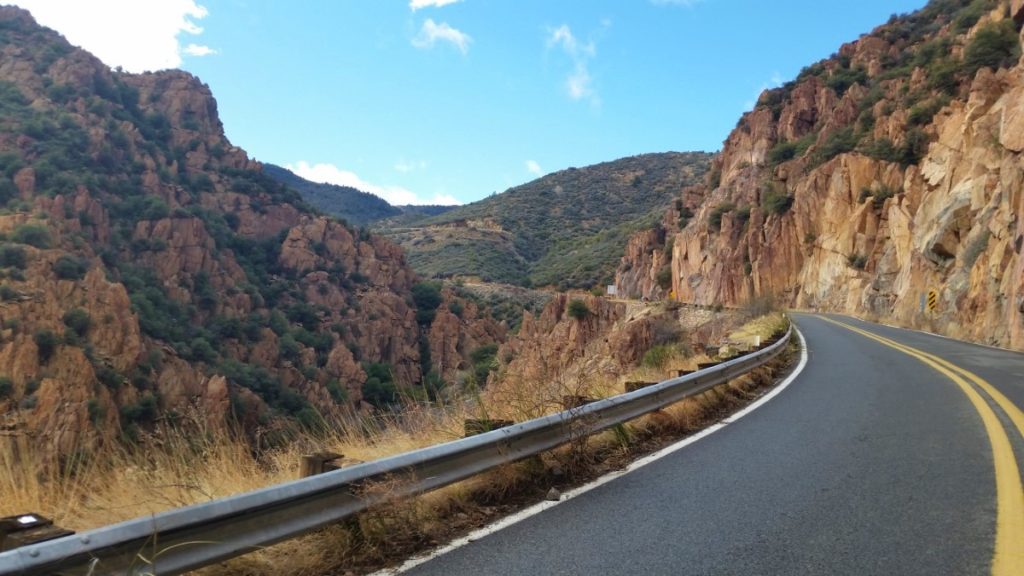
{"type": "Point", "coordinates": [25, 529]}
{"type": "Point", "coordinates": [318, 463]}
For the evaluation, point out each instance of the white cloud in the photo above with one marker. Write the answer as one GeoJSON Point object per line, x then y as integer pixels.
{"type": "Point", "coordinates": [431, 32]}
{"type": "Point", "coordinates": [199, 50]}
{"type": "Point", "coordinates": [579, 83]}
{"type": "Point", "coordinates": [533, 168]}
{"type": "Point", "coordinates": [415, 5]}
{"type": "Point", "coordinates": [395, 195]}
{"type": "Point", "coordinates": [135, 35]}
{"type": "Point", "coordinates": [405, 166]}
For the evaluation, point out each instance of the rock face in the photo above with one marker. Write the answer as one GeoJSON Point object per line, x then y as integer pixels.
{"type": "Point", "coordinates": [151, 272]}
{"type": "Point", "coordinates": [888, 170]}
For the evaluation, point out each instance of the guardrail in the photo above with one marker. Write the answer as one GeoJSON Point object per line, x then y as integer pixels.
{"type": "Point", "coordinates": [187, 538]}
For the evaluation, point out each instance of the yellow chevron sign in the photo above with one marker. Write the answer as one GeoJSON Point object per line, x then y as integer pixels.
{"type": "Point", "coordinates": [933, 300]}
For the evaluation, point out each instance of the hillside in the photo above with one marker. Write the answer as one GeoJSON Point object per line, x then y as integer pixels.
{"type": "Point", "coordinates": [887, 170]}
{"type": "Point", "coordinates": [354, 206]}
{"type": "Point", "coordinates": [566, 229]}
{"type": "Point", "coordinates": [152, 272]}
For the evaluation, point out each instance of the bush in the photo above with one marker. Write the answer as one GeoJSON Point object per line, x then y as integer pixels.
{"type": "Point", "coordinates": [995, 45]}
{"type": "Point", "coordinates": [657, 356]}
{"type": "Point", "coordinates": [922, 114]}
{"type": "Point", "coordinates": [338, 392]}
{"type": "Point", "coordinates": [715, 218]}
{"type": "Point", "coordinates": [839, 142]}
{"type": "Point", "coordinates": [664, 277]}
{"type": "Point", "coordinates": [7, 293]}
{"type": "Point", "coordinates": [578, 310]}
{"type": "Point", "coordinates": [13, 257]}
{"type": "Point", "coordinates": [858, 261]}
{"type": "Point", "coordinates": [777, 202]}
{"type": "Point", "coordinates": [78, 320]}
{"type": "Point", "coordinates": [842, 79]}
{"type": "Point", "coordinates": [6, 387]}
{"type": "Point", "coordinates": [46, 343]}
{"type": "Point", "coordinates": [379, 388]}
{"type": "Point", "coordinates": [427, 297]}
{"type": "Point", "coordinates": [70, 268]}
{"type": "Point", "coordinates": [33, 235]}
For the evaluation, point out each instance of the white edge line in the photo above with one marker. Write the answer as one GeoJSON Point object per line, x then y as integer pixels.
{"type": "Point", "coordinates": [573, 493]}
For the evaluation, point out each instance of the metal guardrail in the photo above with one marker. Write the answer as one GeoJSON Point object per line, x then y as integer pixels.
{"type": "Point", "coordinates": [187, 538]}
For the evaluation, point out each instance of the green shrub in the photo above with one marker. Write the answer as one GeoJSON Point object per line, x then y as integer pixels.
{"type": "Point", "coordinates": [379, 388]}
{"type": "Point", "coordinates": [7, 293]}
{"type": "Point", "coordinates": [70, 268]}
{"type": "Point", "coordinates": [578, 310]}
{"type": "Point", "coordinates": [995, 45]}
{"type": "Point", "coordinates": [144, 411]}
{"type": "Point", "coordinates": [776, 201]}
{"type": "Point", "coordinates": [664, 277]}
{"type": "Point", "coordinates": [792, 149]}
{"type": "Point", "coordinates": [858, 261]}
{"type": "Point", "coordinates": [921, 114]}
{"type": "Point", "coordinates": [715, 218]}
{"type": "Point", "coordinates": [96, 411]}
{"type": "Point", "coordinates": [33, 235]}
{"type": "Point", "coordinates": [427, 297]}
{"type": "Point", "coordinates": [78, 320]}
{"type": "Point", "coordinates": [657, 356]}
{"type": "Point", "coordinates": [13, 257]}
{"type": "Point", "coordinates": [6, 388]}
{"type": "Point", "coordinates": [338, 392]}
{"type": "Point", "coordinates": [46, 344]}
{"type": "Point", "coordinates": [843, 78]}
{"type": "Point", "coordinates": [839, 142]}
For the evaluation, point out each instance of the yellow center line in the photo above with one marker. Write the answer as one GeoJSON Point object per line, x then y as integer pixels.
{"type": "Point", "coordinates": [1008, 557]}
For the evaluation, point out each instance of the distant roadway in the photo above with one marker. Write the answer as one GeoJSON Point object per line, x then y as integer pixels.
{"type": "Point", "coordinates": [892, 453]}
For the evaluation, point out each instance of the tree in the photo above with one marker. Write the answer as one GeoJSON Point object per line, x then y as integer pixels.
{"type": "Point", "coordinates": [578, 310]}
{"type": "Point", "coordinates": [46, 344]}
{"type": "Point", "coordinates": [78, 320]}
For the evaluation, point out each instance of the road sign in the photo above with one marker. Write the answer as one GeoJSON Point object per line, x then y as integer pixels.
{"type": "Point", "coordinates": [933, 300]}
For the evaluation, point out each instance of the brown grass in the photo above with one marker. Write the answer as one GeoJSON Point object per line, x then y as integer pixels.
{"type": "Point", "coordinates": [181, 468]}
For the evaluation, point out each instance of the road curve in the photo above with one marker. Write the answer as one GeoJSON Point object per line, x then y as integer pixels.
{"type": "Point", "coordinates": [871, 462]}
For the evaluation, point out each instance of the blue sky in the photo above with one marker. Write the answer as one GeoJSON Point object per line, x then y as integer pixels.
{"type": "Point", "coordinates": [442, 100]}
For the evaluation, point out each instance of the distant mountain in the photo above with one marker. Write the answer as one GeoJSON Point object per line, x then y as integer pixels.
{"type": "Point", "coordinates": [567, 229]}
{"type": "Point", "coordinates": [355, 206]}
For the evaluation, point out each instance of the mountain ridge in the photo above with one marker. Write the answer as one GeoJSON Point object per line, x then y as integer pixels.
{"type": "Point", "coordinates": [566, 229]}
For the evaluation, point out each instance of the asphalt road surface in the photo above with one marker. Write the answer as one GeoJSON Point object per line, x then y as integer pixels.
{"type": "Point", "coordinates": [871, 462]}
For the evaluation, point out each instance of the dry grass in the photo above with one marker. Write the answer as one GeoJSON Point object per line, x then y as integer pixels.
{"type": "Point", "coordinates": [182, 468]}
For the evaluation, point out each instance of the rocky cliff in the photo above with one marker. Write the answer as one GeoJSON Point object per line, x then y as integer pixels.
{"type": "Point", "coordinates": [890, 169]}
{"type": "Point", "coordinates": [150, 272]}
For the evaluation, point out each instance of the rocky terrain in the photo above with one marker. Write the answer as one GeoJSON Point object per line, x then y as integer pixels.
{"type": "Point", "coordinates": [564, 230]}
{"type": "Point", "coordinates": [152, 273]}
{"type": "Point", "coordinates": [890, 169]}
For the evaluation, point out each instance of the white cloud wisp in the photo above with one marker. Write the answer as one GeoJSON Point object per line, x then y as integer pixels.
{"type": "Point", "coordinates": [432, 32]}
{"type": "Point", "coordinates": [534, 168]}
{"type": "Point", "coordinates": [394, 195]}
{"type": "Point", "coordinates": [415, 5]}
{"type": "Point", "coordinates": [579, 83]}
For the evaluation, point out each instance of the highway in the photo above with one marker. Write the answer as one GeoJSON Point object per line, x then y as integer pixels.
{"type": "Point", "coordinates": [877, 459]}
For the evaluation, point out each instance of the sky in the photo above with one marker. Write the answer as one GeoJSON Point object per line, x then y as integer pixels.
{"type": "Point", "coordinates": [449, 101]}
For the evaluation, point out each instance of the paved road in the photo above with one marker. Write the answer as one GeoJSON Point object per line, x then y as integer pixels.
{"type": "Point", "coordinates": [869, 463]}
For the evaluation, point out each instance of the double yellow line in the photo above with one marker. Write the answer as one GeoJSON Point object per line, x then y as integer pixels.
{"type": "Point", "coordinates": [1008, 559]}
